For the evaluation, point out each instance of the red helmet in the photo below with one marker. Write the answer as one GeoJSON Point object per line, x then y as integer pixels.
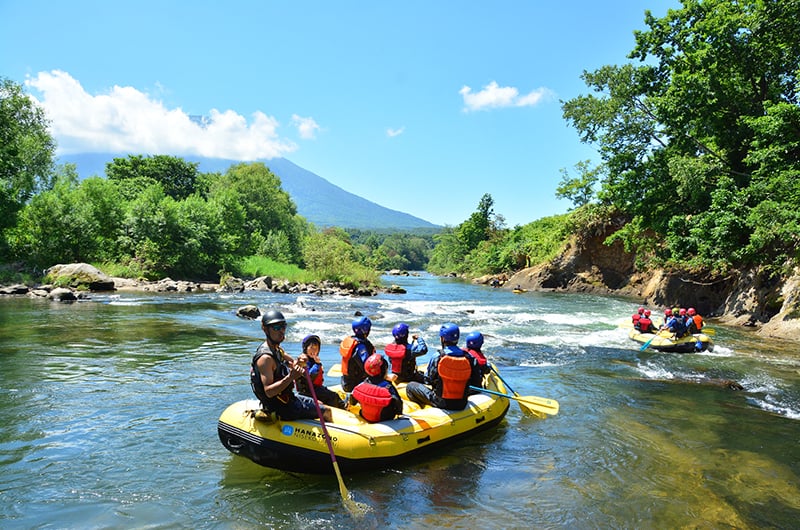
{"type": "Point", "coordinates": [641, 310]}
{"type": "Point", "coordinates": [374, 364]}
{"type": "Point", "coordinates": [668, 312]}
{"type": "Point", "coordinates": [682, 312]}
{"type": "Point", "coordinates": [691, 312]}
{"type": "Point", "coordinates": [647, 312]}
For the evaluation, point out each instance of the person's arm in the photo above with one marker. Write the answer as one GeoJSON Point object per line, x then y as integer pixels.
{"type": "Point", "coordinates": [273, 387]}
{"type": "Point", "coordinates": [418, 346]}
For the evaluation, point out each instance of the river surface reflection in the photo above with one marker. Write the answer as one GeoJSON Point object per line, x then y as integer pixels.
{"type": "Point", "coordinates": [108, 412]}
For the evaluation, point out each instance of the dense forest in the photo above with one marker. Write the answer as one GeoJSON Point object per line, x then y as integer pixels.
{"type": "Point", "coordinates": [697, 134]}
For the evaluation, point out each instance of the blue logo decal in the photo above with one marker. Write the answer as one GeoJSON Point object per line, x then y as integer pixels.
{"type": "Point", "coordinates": [287, 430]}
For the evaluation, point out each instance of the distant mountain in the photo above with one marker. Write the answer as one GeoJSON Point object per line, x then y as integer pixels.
{"type": "Point", "coordinates": [319, 201]}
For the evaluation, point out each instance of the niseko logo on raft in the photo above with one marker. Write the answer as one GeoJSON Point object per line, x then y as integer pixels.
{"type": "Point", "coordinates": [308, 434]}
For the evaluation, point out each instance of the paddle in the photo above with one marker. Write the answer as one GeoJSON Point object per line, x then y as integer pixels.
{"type": "Point", "coordinates": [543, 405]}
{"type": "Point", "coordinates": [646, 344]}
{"type": "Point", "coordinates": [356, 509]}
{"type": "Point", "coordinates": [525, 407]}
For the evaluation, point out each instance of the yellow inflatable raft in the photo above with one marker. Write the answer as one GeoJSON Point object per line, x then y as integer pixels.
{"type": "Point", "coordinates": [299, 446]}
{"type": "Point", "coordinates": [665, 341]}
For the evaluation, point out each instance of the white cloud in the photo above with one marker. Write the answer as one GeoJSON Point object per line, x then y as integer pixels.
{"type": "Point", "coordinates": [307, 127]}
{"type": "Point", "coordinates": [391, 133]}
{"type": "Point", "coordinates": [127, 120]}
{"type": "Point", "coordinates": [495, 96]}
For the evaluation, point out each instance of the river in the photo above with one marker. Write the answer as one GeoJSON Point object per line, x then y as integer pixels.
{"type": "Point", "coordinates": [109, 408]}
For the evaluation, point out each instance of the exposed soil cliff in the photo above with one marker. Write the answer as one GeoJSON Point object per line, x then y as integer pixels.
{"type": "Point", "coordinates": [749, 298]}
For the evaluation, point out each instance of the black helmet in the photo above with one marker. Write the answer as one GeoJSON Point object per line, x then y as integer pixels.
{"type": "Point", "coordinates": [272, 317]}
{"type": "Point", "coordinates": [308, 339]}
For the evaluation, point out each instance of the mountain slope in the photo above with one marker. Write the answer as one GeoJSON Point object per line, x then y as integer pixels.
{"type": "Point", "coordinates": [319, 201]}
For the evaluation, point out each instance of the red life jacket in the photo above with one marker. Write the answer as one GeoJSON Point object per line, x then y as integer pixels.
{"type": "Point", "coordinates": [346, 349]}
{"type": "Point", "coordinates": [478, 356]}
{"type": "Point", "coordinates": [396, 353]}
{"type": "Point", "coordinates": [373, 399]}
{"type": "Point", "coordinates": [644, 324]}
{"type": "Point", "coordinates": [455, 373]}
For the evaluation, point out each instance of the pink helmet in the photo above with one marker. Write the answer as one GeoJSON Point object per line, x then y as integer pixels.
{"type": "Point", "coordinates": [668, 312]}
{"type": "Point", "coordinates": [691, 312]}
{"type": "Point", "coordinates": [682, 312]}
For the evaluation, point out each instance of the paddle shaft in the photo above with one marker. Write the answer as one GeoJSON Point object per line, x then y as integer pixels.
{"type": "Point", "coordinates": [546, 406]}
{"type": "Point", "coordinates": [646, 344]}
{"type": "Point", "coordinates": [342, 488]}
{"type": "Point", "coordinates": [503, 380]}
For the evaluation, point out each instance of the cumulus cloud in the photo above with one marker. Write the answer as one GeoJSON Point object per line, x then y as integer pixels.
{"type": "Point", "coordinates": [391, 133]}
{"type": "Point", "coordinates": [494, 96]}
{"type": "Point", "coordinates": [127, 120]}
{"type": "Point", "coordinates": [306, 127]}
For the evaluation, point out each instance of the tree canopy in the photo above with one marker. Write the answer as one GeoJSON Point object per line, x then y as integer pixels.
{"type": "Point", "coordinates": [26, 152]}
{"type": "Point", "coordinates": [699, 140]}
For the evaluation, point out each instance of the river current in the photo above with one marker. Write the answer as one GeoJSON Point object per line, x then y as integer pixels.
{"type": "Point", "coordinates": [109, 408]}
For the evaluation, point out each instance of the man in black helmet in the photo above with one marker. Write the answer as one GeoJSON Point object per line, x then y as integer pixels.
{"type": "Point", "coordinates": [273, 372]}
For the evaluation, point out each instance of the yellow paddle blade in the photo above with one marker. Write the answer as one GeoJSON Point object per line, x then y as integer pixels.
{"type": "Point", "coordinates": [538, 405]}
{"type": "Point", "coordinates": [335, 370]}
{"type": "Point", "coordinates": [357, 509]}
{"type": "Point", "coordinates": [708, 331]}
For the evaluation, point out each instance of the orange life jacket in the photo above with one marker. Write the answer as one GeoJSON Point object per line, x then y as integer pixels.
{"type": "Point", "coordinates": [455, 373]}
{"type": "Point", "coordinates": [346, 349]}
{"type": "Point", "coordinates": [373, 399]}
{"type": "Point", "coordinates": [698, 322]}
{"type": "Point", "coordinates": [396, 353]}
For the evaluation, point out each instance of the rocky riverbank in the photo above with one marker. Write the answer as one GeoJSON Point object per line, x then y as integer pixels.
{"type": "Point", "coordinates": [75, 281]}
{"type": "Point", "coordinates": [750, 298]}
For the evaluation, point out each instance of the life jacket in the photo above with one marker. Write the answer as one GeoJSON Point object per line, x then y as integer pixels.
{"type": "Point", "coordinates": [455, 373]}
{"type": "Point", "coordinates": [644, 325]}
{"type": "Point", "coordinates": [374, 400]}
{"type": "Point", "coordinates": [479, 356]}
{"type": "Point", "coordinates": [346, 349]}
{"type": "Point", "coordinates": [698, 322]}
{"type": "Point", "coordinates": [396, 353]}
{"type": "Point", "coordinates": [317, 378]}
{"type": "Point", "coordinates": [281, 370]}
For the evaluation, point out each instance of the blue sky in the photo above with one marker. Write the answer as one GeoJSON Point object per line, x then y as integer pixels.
{"type": "Point", "coordinates": [420, 106]}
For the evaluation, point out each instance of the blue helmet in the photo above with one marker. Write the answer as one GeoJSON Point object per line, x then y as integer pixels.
{"type": "Point", "coordinates": [362, 326]}
{"type": "Point", "coordinates": [450, 333]}
{"type": "Point", "coordinates": [400, 331]}
{"type": "Point", "coordinates": [474, 340]}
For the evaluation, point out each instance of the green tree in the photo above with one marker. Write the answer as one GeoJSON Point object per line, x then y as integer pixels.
{"type": "Point", "coordinates": [267, 209]}
{"type": "Point", "coordinates": [330, 255]}
{"type": "Point", "coordinates": [480, 225]}
{"type": "Point", "coordinates": [683, 136]}
{"type": "Point", "coordinates": [176, 176]}
{"type": "Point", "coordinates": [580, 189]}
{"type": "Point", "coordinates": [70, 222]}
{"type": "Point", "coordinates": [26, 153]}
